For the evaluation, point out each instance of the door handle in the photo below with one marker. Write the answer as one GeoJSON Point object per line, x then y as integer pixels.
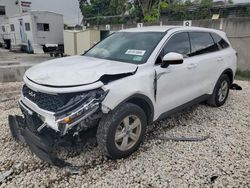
{"type": "Point", "coordinates": [192, 66]}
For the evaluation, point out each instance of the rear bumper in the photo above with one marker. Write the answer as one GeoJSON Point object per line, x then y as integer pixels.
{"type": "Point", "coordinates": [38, 144]}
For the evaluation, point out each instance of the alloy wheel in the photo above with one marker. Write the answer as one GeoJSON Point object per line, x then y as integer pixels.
{"type": "Point", "coordinates": [128, 133]}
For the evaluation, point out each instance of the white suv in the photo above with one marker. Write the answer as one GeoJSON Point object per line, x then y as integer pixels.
{"type": "Point", "coordinates": [120, 86]}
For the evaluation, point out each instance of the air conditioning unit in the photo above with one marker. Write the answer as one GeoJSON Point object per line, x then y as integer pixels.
{"type": "Point", "coordinates": [187, 23]}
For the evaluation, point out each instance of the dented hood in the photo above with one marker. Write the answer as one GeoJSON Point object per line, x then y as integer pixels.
{"type": "Point", "coordinates": [76, 71]}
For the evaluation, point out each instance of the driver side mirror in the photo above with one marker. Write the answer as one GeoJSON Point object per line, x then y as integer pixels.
{"type": "Point", "coordinates": [172, 58]}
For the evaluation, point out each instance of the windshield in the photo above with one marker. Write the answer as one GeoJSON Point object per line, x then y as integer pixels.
{"type": "Point", "coordinates": [130, 47]}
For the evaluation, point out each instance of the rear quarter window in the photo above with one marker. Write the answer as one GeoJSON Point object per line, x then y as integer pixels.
{"type": "Point", "coordinates": [220, 41]}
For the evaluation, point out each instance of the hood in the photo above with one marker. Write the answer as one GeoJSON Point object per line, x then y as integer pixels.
{"type": "Point", "coordinates": [76, 71]}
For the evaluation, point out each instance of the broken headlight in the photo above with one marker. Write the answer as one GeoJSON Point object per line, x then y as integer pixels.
{"type": "Point", "coordinates": [79, 108]}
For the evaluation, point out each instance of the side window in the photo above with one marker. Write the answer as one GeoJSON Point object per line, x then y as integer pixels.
{"type": "Point", "coordinates": [178, 43]}
{"type": "Point", "coordinates": [3, 29]}
{"type": "Point", "coordinates": [201, 43]}
{"type": "Point", "coordinates": [27, 26]}
{"type": "Point", "coordinates": [2, 11]}
{"type": "Point", "coordinates": [12, 27]}
{"type": "Point", "coordinates": [219, 41]}
{"type": "Point", "coordinates": [43, 27]}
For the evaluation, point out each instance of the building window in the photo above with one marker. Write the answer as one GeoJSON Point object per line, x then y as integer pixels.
{"type": "Point", "coordinates": [12, 27]}
{"type": "Point", "coordinates": [43, 27]}
{"type": "Point", "coordinates": [27, 26]}
{"type": "Point", "coordinates": [2, 11]}
{"type": "Point", "coordinates": [3, 29]}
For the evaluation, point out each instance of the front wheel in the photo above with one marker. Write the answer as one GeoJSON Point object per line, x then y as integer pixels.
{"type": "Point", "coordinates": [121, 132]}
{"type": "Point", "coordinates": [220, 92]}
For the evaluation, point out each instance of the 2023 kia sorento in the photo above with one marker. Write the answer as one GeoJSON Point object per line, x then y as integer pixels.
{"type": "Point", "coordinates": [120, 86]}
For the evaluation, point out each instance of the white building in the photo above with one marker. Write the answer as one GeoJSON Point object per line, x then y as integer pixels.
{"type": "Point", "coordinates": [29, 29]}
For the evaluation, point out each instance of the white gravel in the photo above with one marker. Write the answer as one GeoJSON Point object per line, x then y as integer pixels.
{"type": "Point", "coordinates": [223, 160]}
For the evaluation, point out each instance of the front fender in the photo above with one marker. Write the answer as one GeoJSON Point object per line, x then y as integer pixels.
{"type": "Point", "coordinates": [141, 83]}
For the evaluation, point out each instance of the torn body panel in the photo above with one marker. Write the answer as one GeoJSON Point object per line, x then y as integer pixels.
{"type": "Point", "coordinates": [129, 86]}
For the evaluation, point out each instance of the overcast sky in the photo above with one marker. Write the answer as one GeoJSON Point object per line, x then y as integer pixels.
{"type": "Point", "coordinates": [70, 8]}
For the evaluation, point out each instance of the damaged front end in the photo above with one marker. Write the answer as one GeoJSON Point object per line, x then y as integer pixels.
{"type": "Point", "coordinates": [51, 120]}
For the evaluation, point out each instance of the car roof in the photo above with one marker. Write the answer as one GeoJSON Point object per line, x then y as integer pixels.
{"type": "Point", "coordinates": [170, 27]}
{"type": "Point", "coordinates": [149, 29]}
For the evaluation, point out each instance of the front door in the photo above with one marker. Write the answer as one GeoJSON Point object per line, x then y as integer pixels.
{"type": "Point", "coordinates": [175, 84]}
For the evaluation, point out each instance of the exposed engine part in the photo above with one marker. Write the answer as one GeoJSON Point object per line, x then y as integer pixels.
{"type": "Point", "coordinates": [90, 122]}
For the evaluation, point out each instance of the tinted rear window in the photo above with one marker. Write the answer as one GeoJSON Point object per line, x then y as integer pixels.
{"type": "Point", "coordinates": [220, 41]}
{"type": "Point", "coordinates": [201, 43]}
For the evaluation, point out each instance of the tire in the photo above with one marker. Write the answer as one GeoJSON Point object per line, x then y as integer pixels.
{"type": "Point", "coordinates": [216, 100]}
{"type": "Point", "coordinates": [114, 125]}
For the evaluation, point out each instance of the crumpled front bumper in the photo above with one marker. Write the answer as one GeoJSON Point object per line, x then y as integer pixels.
{"type": "Point", "coordinates": [40, 145]}
{"type": "Point", "coordinates": [63, 121]}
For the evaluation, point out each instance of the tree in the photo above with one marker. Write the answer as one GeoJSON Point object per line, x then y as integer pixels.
{"type": "Point", "coordinates": [94, 8]}
{"type": "Point", "coordinates": [117, 7]}
{"type": "Point", "coordinates": [206, 3]}
{"type": "Point", "coordinates": [150, 9]}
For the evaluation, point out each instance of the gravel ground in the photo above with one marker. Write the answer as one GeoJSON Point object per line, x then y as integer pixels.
{"type": "Point", "coordinates": [223, 160]}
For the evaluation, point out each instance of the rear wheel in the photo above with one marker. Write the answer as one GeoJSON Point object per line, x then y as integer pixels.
{"type": "Point", "coordinates": [221, 92]}
{"type": "Point", "coordinates": [121, 132]}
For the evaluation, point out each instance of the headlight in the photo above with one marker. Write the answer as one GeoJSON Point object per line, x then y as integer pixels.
{"type": "Point", "coordinates": [80, 100]}
{"type": "Point", "coordinates": [79, 108]}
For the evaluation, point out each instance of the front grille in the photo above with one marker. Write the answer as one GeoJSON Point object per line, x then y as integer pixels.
{"type": "Point", "coordinates": [46, 101]}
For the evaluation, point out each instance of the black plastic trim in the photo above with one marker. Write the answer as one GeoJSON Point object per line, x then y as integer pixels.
{"type": "Point", "coordinates": [38, 144]}
{"type": "Point", "coordinates": [231, 74]}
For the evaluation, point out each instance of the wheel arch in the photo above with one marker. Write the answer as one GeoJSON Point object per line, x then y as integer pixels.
{"type": "Point", "coordinates": [144, 103]}
{"type": "Point", "coordinates": [230, 74]}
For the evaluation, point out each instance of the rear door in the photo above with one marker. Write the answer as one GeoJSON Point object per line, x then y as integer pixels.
{"type": "Point", "coordinates": [226, 53]}
{"type": "Point", "coordinates": [204, 51]}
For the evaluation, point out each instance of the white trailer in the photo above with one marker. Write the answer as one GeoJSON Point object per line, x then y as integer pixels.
{"type": "Point", "coordinates": [9, 8]}
{"type": "Point", "coordinates": [21, 27]}
{"type": "Point", "coordinates": [34, 29]}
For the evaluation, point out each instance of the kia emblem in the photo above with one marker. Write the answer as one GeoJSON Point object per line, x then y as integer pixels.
{"type": "Point", "coordinates": [32, 94]}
